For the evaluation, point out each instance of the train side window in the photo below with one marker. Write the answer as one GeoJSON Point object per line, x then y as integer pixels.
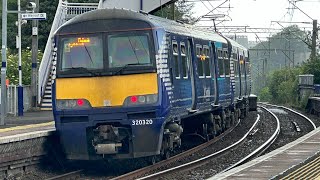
{"type": "Point", "coordinates": [247, 68]}
{"type": "Point", "coordinates": [241, 65]}
{"type": "Point", "coordinates": [220, 63]}
{"type": "Point", "coordinates": [234, 56]}
{"type": "Point", "coordinates": [236, 71]}
{"type": "Point", "coordinates": [199, 57]}
{"type": "Point", "coordinates": [175, 53]}
{"type": "Point", "coordinates": [226, 63]}
{"type": "Point", "coordinates": [184, 60]}
{"type": "Point", "coordinates": [243, 69]}
{"type": "Point", "coordinates": [206, 62]}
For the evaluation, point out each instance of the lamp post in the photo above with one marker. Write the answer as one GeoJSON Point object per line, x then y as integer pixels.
{"type": "Point", "coordinates": [4, 63]}
{"type": "Point", "coordinates": [20, 87]}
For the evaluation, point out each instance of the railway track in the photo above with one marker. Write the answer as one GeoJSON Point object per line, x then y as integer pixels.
{"type": "Point", "coordinates": [70, 175]}
{"type": "Point", "coordinates": [161, 169]}
{"type": "Point", "coordinates": [206, 159]}
{"type": "Point", "coordinates": [292, 111]}
{"type": "Point", "coordinates": [140, 172]}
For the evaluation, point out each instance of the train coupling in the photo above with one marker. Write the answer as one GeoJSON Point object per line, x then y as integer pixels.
{"type": "Point", "coordinates": [111, 148]}
{"type": "Point", "coordinates": [110, 139]}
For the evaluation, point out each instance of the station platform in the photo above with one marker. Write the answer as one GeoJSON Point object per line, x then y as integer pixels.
{"type": "Point", "coordinates": [296, 160]}
{"type": "Point", "coordinates": [30, 122]}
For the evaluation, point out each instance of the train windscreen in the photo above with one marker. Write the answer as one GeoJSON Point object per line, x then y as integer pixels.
{"type": "Point", "coordinates": [105, 54]}
{"type": "Point", "coordinates": [125, 49]}
{"type": "Point", "coordinates": [81, 53]}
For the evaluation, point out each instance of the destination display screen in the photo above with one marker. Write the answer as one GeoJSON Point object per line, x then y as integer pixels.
{"type": "Point", "coordinates": [82, 52]}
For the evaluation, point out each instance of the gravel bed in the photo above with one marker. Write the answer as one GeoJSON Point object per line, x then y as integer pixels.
{"type": "Point", "coordinates": [314, 118]}
{"type": "Point", "coordinates": [105, 170]}
{"type": "Point", "coordinates": [109, 169]}
{"type": "Point", "coordinates": [113, 169]}
{"type": "Point", "coordinates": [264, 129]}
{"type": "Point", "coordinates": [288, 132]}
{"type": "Point", "coordinates": [41, 171]}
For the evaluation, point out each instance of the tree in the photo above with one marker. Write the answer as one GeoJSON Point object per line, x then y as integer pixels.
{"type": "Point", "coordinates": [182, 11]}
{"type": "Point", "coordinates": [47, 6]}
{"type": "Point", "coordinates": [312, 66]}
{"type": "Point", "coordinates": [285, 49]}
{"type": "Point", "coordinates": [12, 29]}
{"type": "Point", "coordinates": [12, 67]}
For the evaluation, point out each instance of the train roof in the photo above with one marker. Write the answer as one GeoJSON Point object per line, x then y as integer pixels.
{"type": "Point", "coordinates": [166, 24]}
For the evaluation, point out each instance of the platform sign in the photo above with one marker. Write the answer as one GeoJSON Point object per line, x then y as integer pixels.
{"type": "Point", "coordinates": [34, 16]}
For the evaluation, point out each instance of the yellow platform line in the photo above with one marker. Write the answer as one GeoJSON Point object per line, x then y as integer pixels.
{"type": "Point", "coordinates": [27, 126]}
{"type": "Point", "coordinates": [308, 171]}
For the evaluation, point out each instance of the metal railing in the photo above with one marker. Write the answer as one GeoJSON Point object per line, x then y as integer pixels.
{"type": "Point", "coordinates": [74, 9]}
{"type": "Point", "coordinates": [12, 99]}
{"type": "Point", "coordinates": [64, 12]}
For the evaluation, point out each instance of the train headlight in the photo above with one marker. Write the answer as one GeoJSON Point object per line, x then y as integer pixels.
{"type": "Point", "coordinates": [141, 99]}
{"type": "Point", "coordinates": [73, 104]}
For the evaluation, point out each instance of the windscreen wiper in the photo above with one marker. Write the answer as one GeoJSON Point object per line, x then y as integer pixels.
{"type": "Point", "coordinates": [125, 66]}
{"type": "Point", "coordinates": [83, 70]}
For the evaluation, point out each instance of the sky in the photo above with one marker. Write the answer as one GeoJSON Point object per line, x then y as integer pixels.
{"type": "Point", "coordinates": [260, 13]}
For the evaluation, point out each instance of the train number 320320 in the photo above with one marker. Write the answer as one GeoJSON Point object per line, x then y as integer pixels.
{"type": "Point", "coordinates": [142, 122]}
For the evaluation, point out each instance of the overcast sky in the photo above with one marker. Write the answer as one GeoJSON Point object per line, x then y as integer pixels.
{"type": "Point", "coordinates": [260, 13]}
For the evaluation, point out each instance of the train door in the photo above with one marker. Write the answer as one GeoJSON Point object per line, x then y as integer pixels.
{"type": "Point", "coordinates": [235, 59]}
{"type": "Point", "coordinates": [248, 76]}
{"type": "Point", "coordinates": [180, 71]}
{"type": "Point", "coordinates": [224, 75]}
{"type": "Point", "coordinates": [214, 71]}
{"type": "Point", "coordinates": [242, 75]}
{"type": "Point", "coordinates": [205, 86]}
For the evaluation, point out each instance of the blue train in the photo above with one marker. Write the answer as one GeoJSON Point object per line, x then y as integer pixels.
{"type": "Point", "coordinates": [129, 84]}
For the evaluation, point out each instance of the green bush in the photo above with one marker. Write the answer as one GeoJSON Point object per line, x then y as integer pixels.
{"type": "Point", "coordinates": [282, 87]}
{"type": "Point", "coordinates": [312, 66]}
{"type": "Point", "coordinates": [26, 62]}
{"type": "Point", "coordinates": [265, 94]}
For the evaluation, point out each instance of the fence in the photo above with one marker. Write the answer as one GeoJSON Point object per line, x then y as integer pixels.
{"type": "Point", "coordinates": [12, 99]}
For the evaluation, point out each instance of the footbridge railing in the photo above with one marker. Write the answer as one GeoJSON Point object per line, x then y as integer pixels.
{"type": "Point", "coordinates": [64, 12]}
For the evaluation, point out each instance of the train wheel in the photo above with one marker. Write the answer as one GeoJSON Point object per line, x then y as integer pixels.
{"type": "Point", "coordinates": [228, 119]}
{"type": "Point", "coordinates": [167, 154]}
{"type": "Point", "coordinates": [237, 114]}
{"type": "Point", "coordinates": [247, 109]}
{"type": "Point", "coordinates": [154, 159]}
{"type": "Point", "coordinates": [217, 125]}
{"type": "Point", "coordinates": [223, 121]}
{"type": "Point", "coordinates": [205, 132]}
{"type": "Point", "coordinates": [232, 118]}
{"type": "Point", "coordinates": [212, 126]}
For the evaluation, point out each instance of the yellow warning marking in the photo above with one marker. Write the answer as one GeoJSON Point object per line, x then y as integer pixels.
{"type": "Point", "coordinates": [308, 171]}
{"type": "Point", "coordinates": [27, 126]}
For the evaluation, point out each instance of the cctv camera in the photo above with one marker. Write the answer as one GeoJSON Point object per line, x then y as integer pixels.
{"type": "Point", "coordinates": [32, 5]}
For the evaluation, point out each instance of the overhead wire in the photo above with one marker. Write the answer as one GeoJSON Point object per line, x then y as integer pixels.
{"type": "Point", "coordinates": [211, 11]}
{"type": "Point", "coordinates": [300, 10]}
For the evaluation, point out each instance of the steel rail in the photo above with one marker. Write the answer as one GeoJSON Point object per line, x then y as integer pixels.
{"type": "Point", "coordinates": [263, 147]}
{"type": "Point", "coordinates": [203, 160]}
{"type": "Point", "coordinates": [139, 174]}
{"type": "Point", "coordinates": [293, 111]}
{"type": "Point", "coordinates": [69, 175]}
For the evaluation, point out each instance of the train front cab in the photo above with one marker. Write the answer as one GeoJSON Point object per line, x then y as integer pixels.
{"type": "Point", "coordinates": [105, 109]}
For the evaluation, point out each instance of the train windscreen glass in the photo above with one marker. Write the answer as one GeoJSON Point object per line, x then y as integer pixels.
{"type": "Point", "coordinates": [128, 49]}
{"type": "Point", "coordinates": [82, 52]}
